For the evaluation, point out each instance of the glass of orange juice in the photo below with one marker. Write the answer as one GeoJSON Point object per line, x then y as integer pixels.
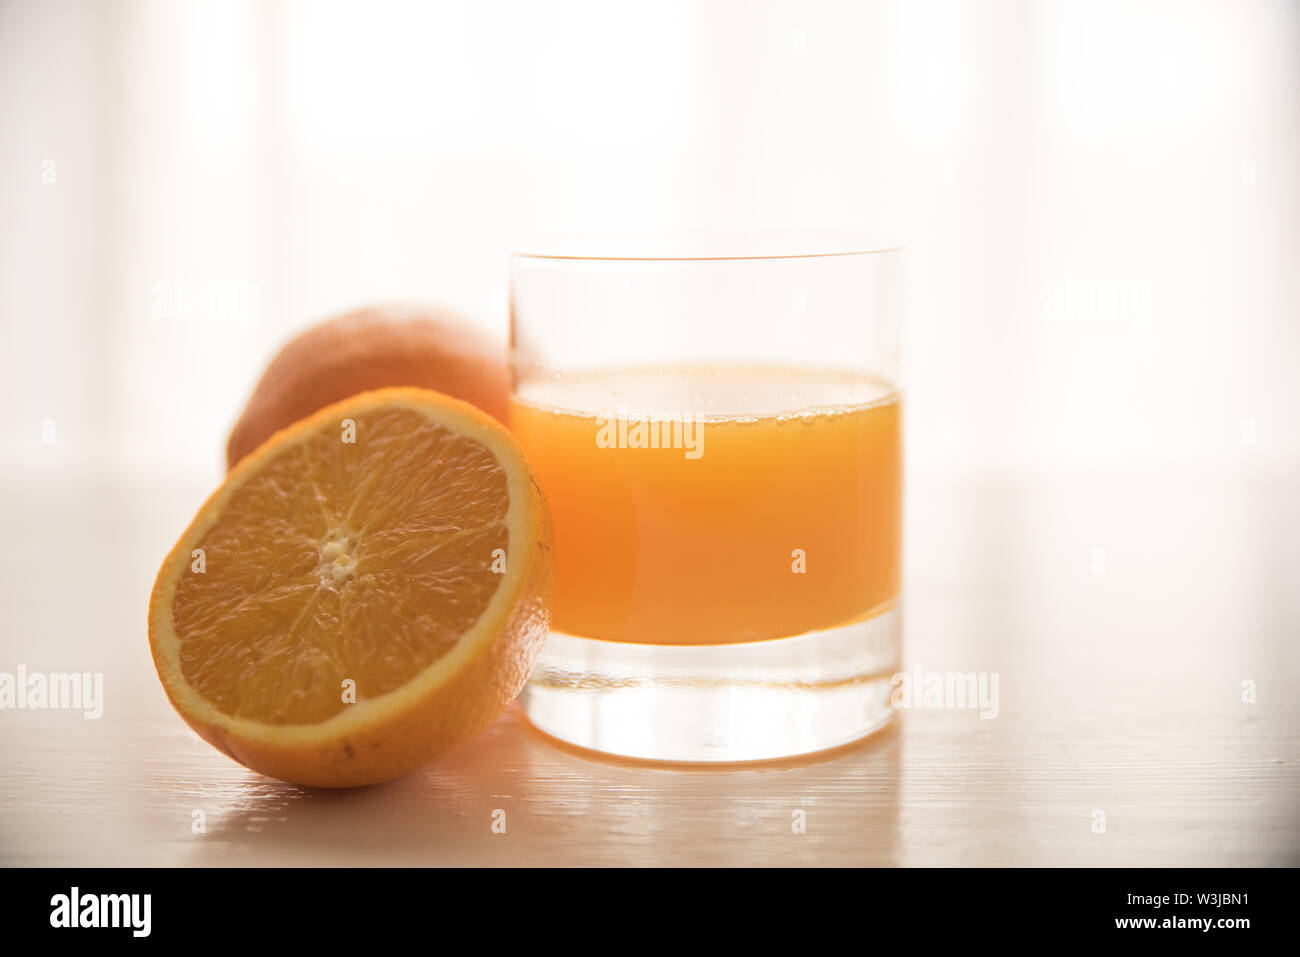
{"type": "Point", "coordinates": [717, 430]}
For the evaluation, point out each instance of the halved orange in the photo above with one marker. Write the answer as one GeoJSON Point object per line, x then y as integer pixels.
{"type": "Point", "coordinates": [368, 588]}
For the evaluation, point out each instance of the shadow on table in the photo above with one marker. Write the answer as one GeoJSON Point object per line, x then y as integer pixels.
{"type": "Point", "coordinates": [513, 796]}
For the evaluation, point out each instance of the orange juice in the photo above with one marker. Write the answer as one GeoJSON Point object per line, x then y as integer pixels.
{"type": "Point", "coordinates": [716, 505]}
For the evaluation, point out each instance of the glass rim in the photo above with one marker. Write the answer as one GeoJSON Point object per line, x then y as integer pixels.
{"type": "Point", "coordinates": [722, 247]}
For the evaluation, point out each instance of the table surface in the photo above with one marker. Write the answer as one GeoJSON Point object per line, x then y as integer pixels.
{"type": "Point", "coordinates": [1126, 619]}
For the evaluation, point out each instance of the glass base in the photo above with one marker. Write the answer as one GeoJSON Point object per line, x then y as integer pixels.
{"type": "Point", "coordinates": [717, 703]}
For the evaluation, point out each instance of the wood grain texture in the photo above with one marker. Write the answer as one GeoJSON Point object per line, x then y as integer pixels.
{"type": "Point", "coordinates": [1122, 618]}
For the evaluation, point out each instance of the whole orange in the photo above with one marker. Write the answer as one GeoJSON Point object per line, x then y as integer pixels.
{"type": "Point", "coordinates": [374, 348]}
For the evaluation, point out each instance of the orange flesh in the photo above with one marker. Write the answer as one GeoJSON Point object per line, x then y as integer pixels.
{"type": "Point", "coordinates": [658, 548]}
{"type": "Point", "coordinates": [404, 519]}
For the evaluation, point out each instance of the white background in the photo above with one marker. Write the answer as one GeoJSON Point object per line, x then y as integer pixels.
{"type": "Point", "coordinates": [1101, 200]}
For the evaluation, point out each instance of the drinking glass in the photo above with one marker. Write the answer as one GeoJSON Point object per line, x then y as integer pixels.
{"type": "Point", "coordinates": [717, 431]}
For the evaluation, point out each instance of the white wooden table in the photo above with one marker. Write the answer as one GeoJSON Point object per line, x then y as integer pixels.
{"type": "Point", "coordinates": [1122, 617]}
